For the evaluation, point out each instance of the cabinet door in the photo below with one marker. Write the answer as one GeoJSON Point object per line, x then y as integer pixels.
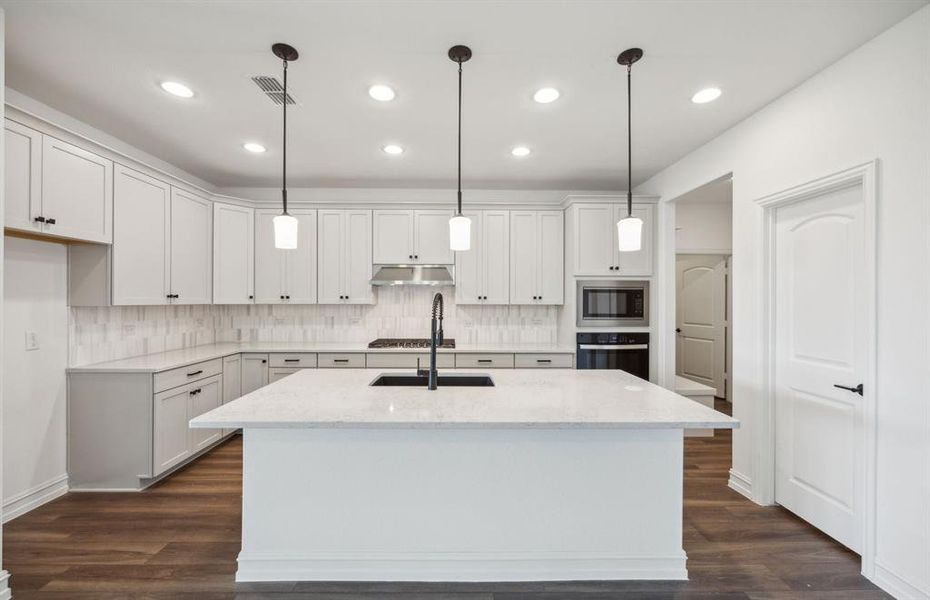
{"type": "Point", "coordinates": [495, 256]}
{"type": "Point", "coordinates": [171, 432]}
{"type": "Point", "coordinates": [254, 372]}
{"type": "Point", "coordinates": [278, 373]}
{"type": "Point", "coordinates": [551, 282]}
{"type": "Point", "coordinates": [232, 378]}
{"type": "Point", "coordinates": [637, 263]}
{"type": "Point", "coordinates": [141, 210]}
{"type": "Point", "coordinates": [524, 260]}
{"type": "Point", "coordinates": [470, 265]}
{"type": "Point", "coordinates": [431, 237]}
{"type": "Point", "coordinates": [357, 286]}
{"type": "Point", "coordinates": [77, 192]}
{"type": "Point", "coordinates": [204, 397]}
{"type": "Point", "coordinates": [233, 254]}
{"type": "Point", "coordinates": [300, 263]}
{"type": "Point", "coordinates": [191, 248]}
{"type": "Point", "coordinates": [594, 231]}
{"type": "Point", "coordinates": [269, 261]}
{"type": "Point", "coordinates": [393, 237]}
{"type": "Point", "coordinates": [330, 255]}
{"type": "Point", "coordinates": [22, 174]}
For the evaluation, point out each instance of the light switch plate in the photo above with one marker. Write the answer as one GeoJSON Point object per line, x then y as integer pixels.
{"type": "Point", "coordinates": [32, 340]}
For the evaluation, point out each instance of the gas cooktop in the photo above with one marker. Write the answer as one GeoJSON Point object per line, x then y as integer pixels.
{"type": "Point", "coordinates": [408, 343]}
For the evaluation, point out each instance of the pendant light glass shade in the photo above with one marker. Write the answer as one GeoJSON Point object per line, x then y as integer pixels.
{"type": "Point", "coordinates": [630, 234]}
{"type": "Point", "coordinates": [460, 233]}
{"type": "Point", "coordinates": [285, 232]}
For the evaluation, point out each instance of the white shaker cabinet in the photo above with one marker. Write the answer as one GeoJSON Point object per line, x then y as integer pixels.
{"type": "Point", "coordinates": [233, 254]}
{"type": "Point", "coordinates": [204, 397]}
{"type": "Point", "coordinates": [285, 276]}
{"type": "Point", "coordinates": [191, 248]}
{"type": "Point", "coordinates": [22, 177]}
{"type": "Point", "coordinates": [141, 240]}
{"type": "Point", "coordinates": [595, 240]}
{"type": "Point", "coordinates": [536, 257]}
{"type": "Point", "coordinates": [254, 372]}
{"type": "Point", "coordinates": [232, 381]}
{"type": "Point", "coordinates": [174, 440]}
{"type": "Point", "coordinates": [344, 255]}
{"type": "Point", "coordinates": [412, 237]}
{"type": "Point", "coordinates": [482, 274]}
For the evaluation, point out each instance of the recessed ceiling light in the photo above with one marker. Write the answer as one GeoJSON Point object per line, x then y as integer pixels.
{"type": "Point", "coordinates": [393, 149]}
{"type": "Point", "coordinates": [177, 89]}
{"type": "Point", "coordinates": [706, 95]}
{"type": "Point", "coordinates": [546, 95]}
{"type": "Point", "coordinates": [381, 93]}
{"type": "Point", "coordinates": [253, 147]}
{"type": "Point", "coordinates": [520, 151]}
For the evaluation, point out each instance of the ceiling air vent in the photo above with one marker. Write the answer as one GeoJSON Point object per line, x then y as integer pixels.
{"type": "Point", "coordinates": [272, 88]}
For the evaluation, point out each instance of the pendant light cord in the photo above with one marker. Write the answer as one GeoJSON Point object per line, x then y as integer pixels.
{"type": "Point", "coordinates": [629, 143]}
{"type": "Point", "coordinates": [284, 144]}
{"type": "Point", "coordinates": [460, 140]}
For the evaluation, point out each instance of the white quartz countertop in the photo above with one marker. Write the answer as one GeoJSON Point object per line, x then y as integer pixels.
{"type": "Point", "coordinates": [543, 398]}
{"type": "Point", "coordinates": [163, 361]}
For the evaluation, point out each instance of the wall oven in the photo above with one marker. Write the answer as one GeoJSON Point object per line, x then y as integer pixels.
{"type": "Point", "coordinates": [625, 351]}
{"type": "Point", "coordinates": [612, 303]}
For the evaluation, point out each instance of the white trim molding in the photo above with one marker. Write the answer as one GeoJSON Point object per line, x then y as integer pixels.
{"type": "Point", "coordinates": [740, 484]}
{"type": "Point", "coordinates": [5, 593]}
{"type": "Point", "coordinates": [895, 585]}
{"type": "Point", "coordinates": [865, 176]}
{"type": "Point", "coordinates": [35, 497]}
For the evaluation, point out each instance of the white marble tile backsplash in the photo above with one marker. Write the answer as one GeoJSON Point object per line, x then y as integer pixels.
{"type": "Point", "coordinates": [101, 334]}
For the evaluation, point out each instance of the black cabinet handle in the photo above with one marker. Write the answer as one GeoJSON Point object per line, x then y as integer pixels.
{"type": "Point", "coordinates": [264, 361]}
{"type": "Point", "coordinates": [856, 390]}
{"type": "Point", "coordinates": [195, 392]}
{"type": "Point", "coordinates": [291, 360]}
{"type": "Point", "coordinates": [50, 221]}
{"type": "Point", "coordinates": [340, 360]}
{"type": "Point", "coordinates": [39, 219]}
{"type": "Point", "coordinates": [485, 360]}
{"type": "Point", "coordinates": [195, 373]}
{"type": "Point", "coordinates": [543, 360]}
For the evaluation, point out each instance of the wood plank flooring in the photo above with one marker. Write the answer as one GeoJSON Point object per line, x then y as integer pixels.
{"type": "Point", "coordinates": [180, 538]}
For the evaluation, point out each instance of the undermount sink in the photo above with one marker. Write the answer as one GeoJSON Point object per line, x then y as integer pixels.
{"type": "Point", "coordinates": [413, 380]}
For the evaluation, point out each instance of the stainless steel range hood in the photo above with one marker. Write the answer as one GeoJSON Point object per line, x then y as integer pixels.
{"type": "Point", "coordinates": [412, 275]}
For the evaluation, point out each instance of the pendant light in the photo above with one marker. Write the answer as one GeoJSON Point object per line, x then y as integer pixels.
{"type": "Point", "coordinates": [285, 225]}
{"type": "Point", "coordinates": [629, 228]}
{"type": "Point", "coordinates": [460, 225]}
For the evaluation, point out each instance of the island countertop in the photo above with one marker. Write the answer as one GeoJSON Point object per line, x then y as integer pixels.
{"type": "Point", "coordinates": [521, 398]}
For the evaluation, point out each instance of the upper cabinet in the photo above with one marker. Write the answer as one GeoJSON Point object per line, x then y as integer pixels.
{"type": "Point", "coordinates": [191, 248]}
{"type": "Point", "coordinates": [285, 276]}
{"type": "Point", "coordinates": [536, 257]}
{"type": "Point", "coordinates": [412, 237]}
{"type": "Point", "coordinates": [482, 274]}
{"type": "Point", "coordinates": [56, 188]}
{"type": "Point", "coordinates": [595, 240]}
{"type": "Point", "coordinates": [233, 254]}
{"type": "Point", "coordinates": [344, 257]}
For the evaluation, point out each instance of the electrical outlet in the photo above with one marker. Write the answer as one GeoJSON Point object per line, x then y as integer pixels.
{"type": "Point", "coordinates": [32, 340]}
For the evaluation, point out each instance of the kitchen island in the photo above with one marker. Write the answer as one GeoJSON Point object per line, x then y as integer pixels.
{"type": "Point", "coordinates": [547, 475]}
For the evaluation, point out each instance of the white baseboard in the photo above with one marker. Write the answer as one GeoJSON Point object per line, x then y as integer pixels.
{"type": "Point", "coordinates": [5, 593]}
{"type": "Point", "coordinates": [896, 586]}
{"type": "Point", "coordinates": [473, 567]}
{"type": "Point", "coordinates": [740, 483]}
{"type": "Point", "coordinates": [33, 498]}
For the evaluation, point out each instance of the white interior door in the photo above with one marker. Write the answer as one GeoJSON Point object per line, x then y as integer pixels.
{"type": "Point", "coordinates": [820, 316]}
{"type": "Point", "coordinates": [701, 319]}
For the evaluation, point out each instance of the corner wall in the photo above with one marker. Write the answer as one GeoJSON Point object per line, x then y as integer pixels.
{"type": "Point", "coordinates": [874, 103]}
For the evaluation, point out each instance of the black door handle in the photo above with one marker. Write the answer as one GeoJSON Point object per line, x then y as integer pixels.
{"type": "Point", "coordinates": [857, 389]}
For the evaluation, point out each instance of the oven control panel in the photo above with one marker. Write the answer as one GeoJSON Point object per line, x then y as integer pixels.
{"type": "Point", "coordinates": [613, 338]}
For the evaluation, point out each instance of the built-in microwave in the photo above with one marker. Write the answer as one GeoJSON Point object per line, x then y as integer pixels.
{"type": "Point", "coordinates": [611, 303]}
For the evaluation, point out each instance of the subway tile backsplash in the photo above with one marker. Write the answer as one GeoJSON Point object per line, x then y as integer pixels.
{"type": "Point", "coordinates": [111, 333]}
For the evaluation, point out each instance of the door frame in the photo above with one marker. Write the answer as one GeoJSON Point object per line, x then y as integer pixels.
{"type": "Point", "coordinates": [864, 176]}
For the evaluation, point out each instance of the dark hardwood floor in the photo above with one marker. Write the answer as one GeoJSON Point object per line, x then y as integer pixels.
{"type": "Point", "coordinates": [180, 538]}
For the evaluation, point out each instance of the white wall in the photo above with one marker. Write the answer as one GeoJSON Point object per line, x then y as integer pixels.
{"type": "Point", "coordinates": [872, 104]}
{"type": "Point", "coordinates": [34, 427]}
{"type": "Point", "coordinates": [703, 228]}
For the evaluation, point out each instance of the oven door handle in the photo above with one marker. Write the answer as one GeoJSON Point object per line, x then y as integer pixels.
{"type": "Point", "coordinates": [613, 346]}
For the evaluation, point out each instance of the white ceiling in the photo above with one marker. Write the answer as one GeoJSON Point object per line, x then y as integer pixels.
{"type": "Point", "coordinates": [100, 61]}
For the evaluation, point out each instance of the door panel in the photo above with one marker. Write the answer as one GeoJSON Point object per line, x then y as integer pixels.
{"type": "Point", "coordinates": [141, 240]}
{"type": "Point", "coordinates": [701, 319]}
{"type": "Point", "coordinates": [191, 248]}
{"type": "Point", "coordinates": [331, 242]}
{"type": "Point", "coordinates": [470, 265]}
{"type": "Point", "coordinates": [431, 231]}
{"type": "Point", "coordinates": [551, 284]}
{"type": "Point", "coordinates": [22, 176]}
{"type": "Point", "coordinates": [637, 263]}
{"type": "Point", "coordinates": [524, 260]}
{"type": "Point", "coordinates": [172, 440]}
{"type": "Point", "coordinates": [358, 257]}
{"type": "Point", "coordinates": [77, 192]}
{"type": "Point", "coordinates": [300, 269]}
{"type": "Point", "coordinates": [595, 246]}
{"type": "Point", "coordinates": [204, 397]}
{"type": "Point", "coordinates": [269, 261]}
{"type": "Point", "coordinates": [393, 236]}
{"type": "Point", "coordinates": [820, 341]}
{"type": "Point", "coordinates": [233, 254]}
{"type": "Point", "coordinates": [254, 372]}
{"type": "Point", "coordinates": [495, 256]}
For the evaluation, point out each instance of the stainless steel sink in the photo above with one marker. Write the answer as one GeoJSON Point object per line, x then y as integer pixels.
{"type": "Point", "coordinates": [413, 380]}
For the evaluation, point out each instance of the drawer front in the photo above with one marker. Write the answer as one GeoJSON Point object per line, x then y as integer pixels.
{"type": "Point", "coordinates": [484, 361]}
{"type": "Point", "coordinates": [297, 360]}
{"type": "Point", "coordinates": [175, 377]}
{"type": "Point", "coordinates": [276, 373]}
{"type": "Point", "coordinates": [330, 360]}
{"type": "Point", "coordinates": [408, 360]}
{"type": "Point", "coordinates": [543, 361]}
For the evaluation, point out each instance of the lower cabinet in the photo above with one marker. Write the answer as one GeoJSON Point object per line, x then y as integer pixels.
{"type": "Point", "coordinates": [254, 370]}
{"type": "Point", "coordinates": [276, 373]}
{"type": "Point", "coordinates": [174, 440]}
{"type": "Point", "coordinates": [232, 381]}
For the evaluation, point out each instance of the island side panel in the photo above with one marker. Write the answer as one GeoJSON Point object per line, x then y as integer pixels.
{"type": "Point", "coordinates": [445, 504]}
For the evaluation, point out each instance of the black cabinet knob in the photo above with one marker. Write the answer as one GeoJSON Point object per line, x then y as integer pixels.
{"type": "Point", "coordinates": [287, 297]}
{"type": "Point", "coordinates": [39, 219]}
{"type": "Point", "coordinates": [251, 297]}
{"type": "Point", "coordinates": [417, 256]}
{"type": "Point", "coordinates": [410, 256]}
{"type": "Point", "coordinates": [50, 221]}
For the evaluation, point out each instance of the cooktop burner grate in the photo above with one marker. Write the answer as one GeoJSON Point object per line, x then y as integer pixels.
{"type": "Point", "coordinates": [408, 343]}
